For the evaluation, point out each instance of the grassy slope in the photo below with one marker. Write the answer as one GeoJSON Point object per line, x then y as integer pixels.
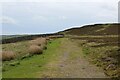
{"type": "Point", "coordinates": [100, 45]}
{"type": "Point", "coordinates": [71, 63]}
{"type": "Point", "coordinates": [30, 66]}
{"type": "Point", "coordinates": [105, 56]}
{"type": "Point", "coordinates": [97, 29]}
{"type": "Point", "coordinates": [61, 59]}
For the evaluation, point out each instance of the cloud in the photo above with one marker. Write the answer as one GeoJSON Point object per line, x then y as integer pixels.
{"type": "Point", "coordinates": [108, 10]}
{"type": "Point", "coordinates": [39, 18]}
{"type": "Point", "coordinates": [63, 17]}
{"type": "Point", "coordinates": [52, 16]}
{"type": "Point", "coordinates": [48, 18]}
{"type": "Point", "coordinates": [59, 0]}
{"type": "Point", "coordinates": [7, 20]}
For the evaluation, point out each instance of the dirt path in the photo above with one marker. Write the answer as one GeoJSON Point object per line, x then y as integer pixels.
{"type": "Point", "coordinates": [71, 64]}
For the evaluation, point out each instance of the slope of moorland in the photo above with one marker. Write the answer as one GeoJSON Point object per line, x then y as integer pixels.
{"type": "Point", "coordinates": [100, 44]}
{"type": "Point", "coordinates": [62, 59]}
{"type": "Point", "coordinates": [96, 29]}
{"type": "Point", "coordinates": [72, 56]}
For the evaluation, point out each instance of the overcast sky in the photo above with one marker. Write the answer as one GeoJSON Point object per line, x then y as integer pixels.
{"type": "Point", "coordinates": [46, 16]}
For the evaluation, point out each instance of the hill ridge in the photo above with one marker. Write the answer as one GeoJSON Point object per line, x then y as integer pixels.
{"type": "Point", "coordinates": [94, 29]}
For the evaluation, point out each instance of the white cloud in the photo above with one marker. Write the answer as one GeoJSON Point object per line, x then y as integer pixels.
{"type": "Point", "coordinates": [7, 20]}
{"type": "Point", "coordinates": [63, 17]}
{"type": "Point", "coordinates": [39, 18]}
{"type": "Point", "coordinates": [107, 12]}
{"type": "Point", "coordinates": [59, 0]}
{"type": "Point", "coordinates": [48, 18]}
{"type": "Point", "coordinates": [105, 16]}
{"type": "Point", "coordinates": [54, 15]}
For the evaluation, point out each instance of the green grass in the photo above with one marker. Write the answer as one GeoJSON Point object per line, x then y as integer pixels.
{"type": "Point", "coordinates": [29, 67]}
{"type": "Point", "coordinates": [86, 50]}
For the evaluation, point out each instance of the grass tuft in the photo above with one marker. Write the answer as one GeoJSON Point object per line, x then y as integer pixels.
{"type": "Point", "coordinates": [35, 49]}
{"type": "Point", "coordinates": [7, 55]}
{"type": "Point", "coordinates": [38, 41]}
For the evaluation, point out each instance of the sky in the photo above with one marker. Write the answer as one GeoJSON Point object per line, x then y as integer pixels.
{"type": "Point", "coordinates": [49, 16]}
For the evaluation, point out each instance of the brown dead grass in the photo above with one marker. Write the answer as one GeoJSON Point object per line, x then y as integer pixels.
{"type": "Point", "coordinates": [37, 45]}
{"type": "Point", "coordinates": [7, 55]}
{"type": "Point", "coordinates": [47, 38]}
{"type": "Point", "coordinates": [43, 41]}
{"type": "Point", "coordinates": [38, 41]}
{"type": "Point", "coordinates": [35, 42]}
{"type": "Point", "coordinates": [35, 49]}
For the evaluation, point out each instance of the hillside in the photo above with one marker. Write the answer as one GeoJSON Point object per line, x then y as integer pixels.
{"type": "Point", "coordinates": [84, 50]}
{"type": "Point", "coordinates": [96, 29]}
{"type": "Point", "coordinates": [100, 44]}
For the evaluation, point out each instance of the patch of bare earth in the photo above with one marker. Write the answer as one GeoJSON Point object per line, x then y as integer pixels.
{"type": "Point", "coordinates": [71, 64]}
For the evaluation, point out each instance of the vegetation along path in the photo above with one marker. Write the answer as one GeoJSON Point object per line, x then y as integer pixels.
{"type": "Point", "coordinates": [63, 58]}
{"type": "Point", "coordinates": [71, 63]}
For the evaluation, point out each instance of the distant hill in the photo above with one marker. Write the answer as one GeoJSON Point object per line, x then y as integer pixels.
{"type": "Point", "coordinates": [11, 36]}
{"type": "Point", "coordinates": [96, 29]}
